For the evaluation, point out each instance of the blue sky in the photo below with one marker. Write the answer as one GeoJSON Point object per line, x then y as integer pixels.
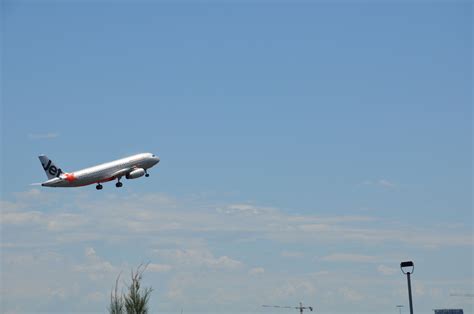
{"type": "Point", "coordinates": [306, 149]}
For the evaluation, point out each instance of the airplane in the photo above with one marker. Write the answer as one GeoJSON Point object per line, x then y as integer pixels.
{"type": "Point", "coordinates": [131, 167]}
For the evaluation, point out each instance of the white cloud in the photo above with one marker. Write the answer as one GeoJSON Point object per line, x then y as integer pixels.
{"type": "Point", "coordinates": [315, 227]}
{"type": "Point", "coordinates": [43, 136]}
{"type": "Point", "coordinates": [36, 257]}
{"type": "Point", "coordinates": [156, 215]}
{"type": "Point", "coordinates": [419, 289]}
{"type": "Point", "coordinates": [95, 267]}
{"type": "Point", "coordinates": [244, 209]}
{"type": "Point", "coordinates": [90, 252]}
{"type": "Point", "coordinates": [197, 258]}
{"type": "Point", "coordinates": [95, 296]}
{"type": "Point", "coordinates": [385, 270]}
{"type": "Point", "coordinates": [256, 271]}
{"type": "Point", "coordinates": [30, 194]}
{"type": "Point", "coordinates": [195, 248]}
{"type": "Point", "coordinates": [350, 294]}
{"type": "Point", "coordinates": [9, 206]}
{"type": "Point", "coordinates": [294, 288]}
{"type": "Point", "coordinates": [380, 182]}
{"type": "Point", "coordinates": [292, 254]}
{"type": "Point", "coordinates": [65, 221]}
{"type": "Point", "coordinates": [158, 268]}
{"type": "Point", "coordinates": [347, 257]}
{"type": "Point", "coordinates": [386, 183]}
{"type": "Point", "coordinates": [16, 218]}
{"type": "Point", "coordinates": [58, 292]}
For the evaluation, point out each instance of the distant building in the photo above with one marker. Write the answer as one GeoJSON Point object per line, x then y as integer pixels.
{"type": "Point", "coordinates": [449, 311]}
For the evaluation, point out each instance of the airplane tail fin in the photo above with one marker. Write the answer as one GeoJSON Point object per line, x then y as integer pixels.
{"type": "Point", "coordinates": [49, 167]}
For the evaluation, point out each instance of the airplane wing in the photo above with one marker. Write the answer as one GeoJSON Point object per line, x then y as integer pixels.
{"type": "Point", "coordinates": [121, 172]}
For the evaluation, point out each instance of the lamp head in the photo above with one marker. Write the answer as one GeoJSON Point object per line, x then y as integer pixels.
{"type": "Point", "coordinates": [405, 265]}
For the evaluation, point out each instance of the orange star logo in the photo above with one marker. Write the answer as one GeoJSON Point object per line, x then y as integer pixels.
{"type": "Point", "coordinates": [70, 177]}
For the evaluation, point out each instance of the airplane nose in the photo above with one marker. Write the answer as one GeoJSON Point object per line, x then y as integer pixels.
{"type": "Point", "coordinates": [157, 159]}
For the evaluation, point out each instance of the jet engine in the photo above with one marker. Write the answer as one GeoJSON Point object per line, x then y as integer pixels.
{"type": "Point", "coordinates": [137, 173]}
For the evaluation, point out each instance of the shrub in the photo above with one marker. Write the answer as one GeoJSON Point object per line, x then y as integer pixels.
{"type": "Point", "coordinates": [135, 300]}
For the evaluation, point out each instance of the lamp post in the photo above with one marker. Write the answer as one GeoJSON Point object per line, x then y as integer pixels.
{"type": "Point", "coordinates": [400, 308]}
{"type": "Point", "coordinates": [404, 266]}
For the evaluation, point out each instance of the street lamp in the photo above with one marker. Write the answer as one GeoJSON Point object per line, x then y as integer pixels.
{"type": "Point", "coordinates": [400, 308]}
{"type": "Point", "coordinates": [404, 266]}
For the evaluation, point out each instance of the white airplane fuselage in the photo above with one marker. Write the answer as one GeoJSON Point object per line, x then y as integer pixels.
{"type": "Point", "coordinates": [130, 167]}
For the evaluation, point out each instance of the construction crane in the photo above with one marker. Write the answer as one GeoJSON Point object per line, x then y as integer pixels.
{"type": "Point", "coordinates": [399, 307]}
{"type": "Point", "coordinates": [301, 307]}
